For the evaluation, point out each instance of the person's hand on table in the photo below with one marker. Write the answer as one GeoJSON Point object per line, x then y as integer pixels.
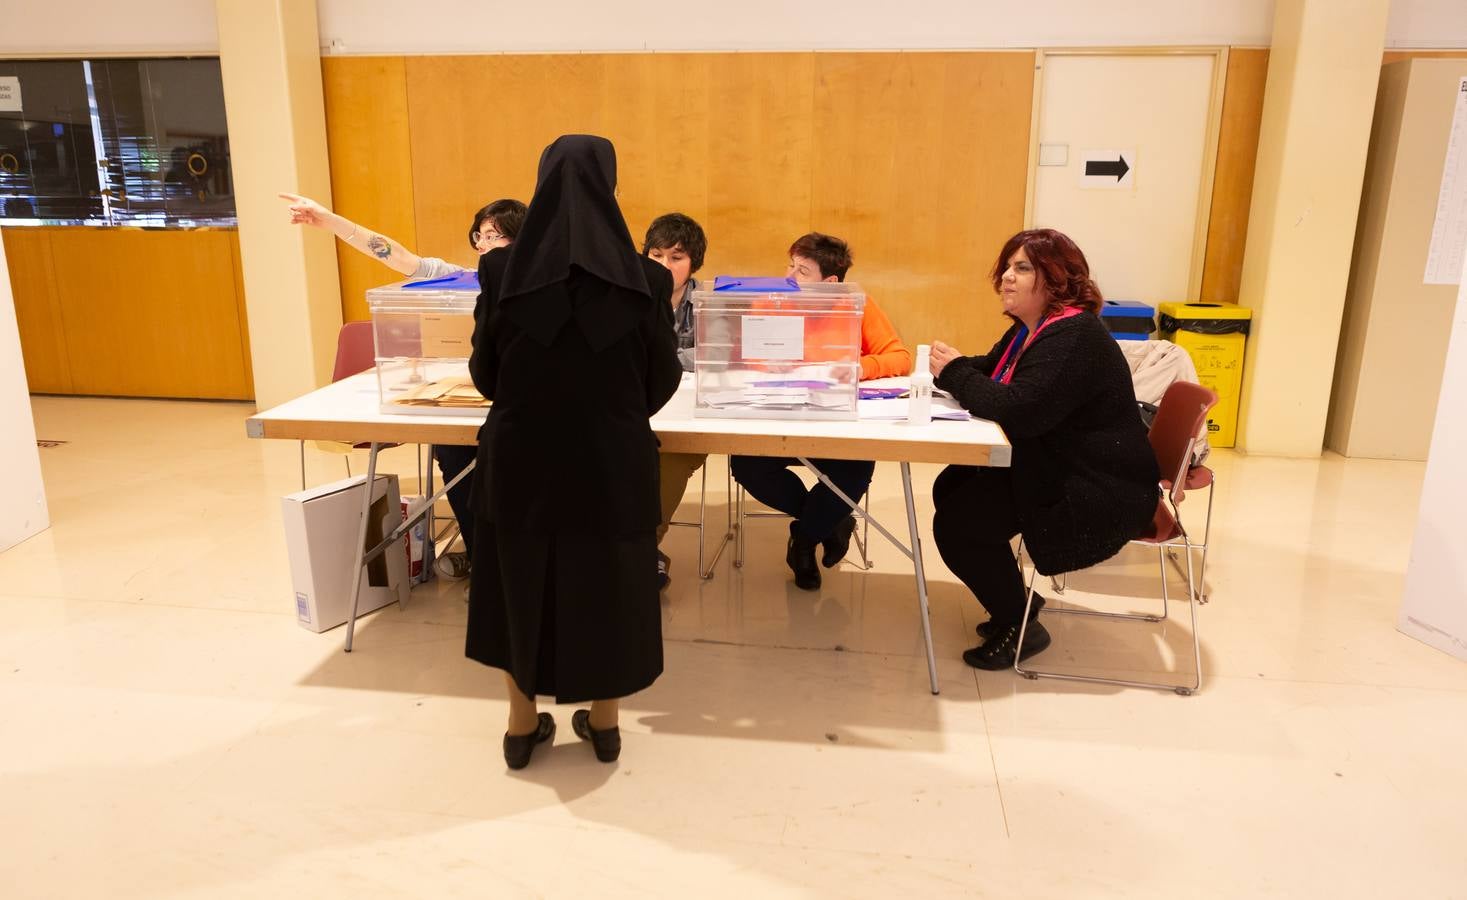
{"type": "Point", "coordinates": [940, 355]}
{"type": "Point", "coordinates": [305, 211]}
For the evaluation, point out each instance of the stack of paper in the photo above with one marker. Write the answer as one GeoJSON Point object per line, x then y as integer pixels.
{"type": "Point", "coordinates": [782, 394]}
{"type": "Point", "coordinates": [456, 391]}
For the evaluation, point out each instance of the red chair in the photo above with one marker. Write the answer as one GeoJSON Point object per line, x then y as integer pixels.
{"type": "Point", "coordinates": [1179, 420]}
{"type": "Point", "coordinates": [356, 352]}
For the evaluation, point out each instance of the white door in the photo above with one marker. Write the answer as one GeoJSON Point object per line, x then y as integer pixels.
{"type": "Point", "coordinates": [1121, 167]}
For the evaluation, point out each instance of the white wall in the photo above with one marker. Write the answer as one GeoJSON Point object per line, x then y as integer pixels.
{"type": "Point", "coordinates": [23, 511]}
{"type": "Point", "coordinates": [93, 26]}
{"type": "Point", "coordinates": [1435, 605]}
{"type": "Point", "coordinates": [465, 26]}
{"type": "Point", "coordinates": [480, 26]}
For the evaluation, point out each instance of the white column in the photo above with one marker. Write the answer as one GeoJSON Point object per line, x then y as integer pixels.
{"type": "Point", "coordinates": [23, 512]}
{"type": "Point", "coordinates": [1323, 68]}
{"type": "Point", "coordinates": [1435, 608]}
{"type": "Point", "coordinates": [271, 63]}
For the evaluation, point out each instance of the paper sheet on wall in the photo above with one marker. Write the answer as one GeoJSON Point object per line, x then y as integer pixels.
{"type": "Point", "coordinates": [1449, 231]}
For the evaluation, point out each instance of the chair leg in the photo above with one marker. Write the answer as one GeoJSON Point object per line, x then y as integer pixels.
{"type": "Point", "coordinates": [739, 527]}
{"type": "Point", "coordinates": [1183, 690]}
{"type": "Point", "coordinates": [303, 465]}
{"type": "Point", "coordinates": [703, 520]}
{"type": "Point", "coordinates": [864, 538]}
{"type": "Point", "coordinates": [1063, 578]}
{"type": "Point", "coordinates": [1206, 542]}
{"type": "Point", "coordinates": [347, 459]}
{"type": "Point", "coordinates": [706, 572]}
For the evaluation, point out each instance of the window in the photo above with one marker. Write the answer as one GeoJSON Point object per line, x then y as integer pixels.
{"type": "Point", "coordinates": [116, 142]}
{"type": "Point", "coordinates": [48, 161]}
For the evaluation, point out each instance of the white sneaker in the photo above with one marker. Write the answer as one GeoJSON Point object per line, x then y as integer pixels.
{"type": "Point", "coordinates": [453, 566]}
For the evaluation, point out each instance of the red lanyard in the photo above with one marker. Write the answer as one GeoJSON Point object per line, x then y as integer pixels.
{"type": "Point", "coordinates": [1004, 372]}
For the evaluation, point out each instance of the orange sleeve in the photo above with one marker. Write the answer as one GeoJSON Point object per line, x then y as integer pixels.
{"type": "Point", "coordinates": [882, 352]}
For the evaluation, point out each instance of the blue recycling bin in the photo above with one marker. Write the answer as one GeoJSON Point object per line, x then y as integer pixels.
{"type": "Point", "coordinates": [1128, 320]}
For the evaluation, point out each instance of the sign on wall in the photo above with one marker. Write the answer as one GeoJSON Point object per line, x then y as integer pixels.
{"type": "Point", "coordinates": [1107, 169]}
{"type": "Point", "coordinates": [9, 93]}
{"type": "Point", "coordinates": [1449, 230]}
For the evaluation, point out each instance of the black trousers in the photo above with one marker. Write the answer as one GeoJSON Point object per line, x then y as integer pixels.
{"type": "Point", "coordinates": [974, 521]}
{"type": "Point", "coordinates": [816, 510]}
{"type": "Point", "coordinates": [453, 459]}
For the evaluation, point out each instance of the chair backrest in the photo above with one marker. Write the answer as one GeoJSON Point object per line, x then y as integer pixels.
{"type": "Point", "coordinates": [1180, 417]}
{"type": "Point", "coordinates": [355, 351]}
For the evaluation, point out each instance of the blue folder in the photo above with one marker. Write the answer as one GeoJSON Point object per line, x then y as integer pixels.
{"type": "Point", "coordinates": [755, 285]}
{"type": "Point", "coordinates": [466, 280]}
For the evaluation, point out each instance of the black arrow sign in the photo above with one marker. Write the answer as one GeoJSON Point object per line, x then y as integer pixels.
{"type": "Point", "coordinates": [1104, 167]}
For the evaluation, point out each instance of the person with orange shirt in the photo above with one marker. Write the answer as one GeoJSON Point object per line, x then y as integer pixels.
{"type": "Point", "coordinates": [819, 516]}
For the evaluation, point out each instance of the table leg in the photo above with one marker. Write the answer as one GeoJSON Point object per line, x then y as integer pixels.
{"type": "Point", "coordinates": [921, 575]}
{"type": "Point", "coordinates": [360, 549]}
{"type": "Point", "coordinates": [914, 553]}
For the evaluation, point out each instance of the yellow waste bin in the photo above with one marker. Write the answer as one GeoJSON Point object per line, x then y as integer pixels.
{"type": "Point", "coordinates": [1214, 335]}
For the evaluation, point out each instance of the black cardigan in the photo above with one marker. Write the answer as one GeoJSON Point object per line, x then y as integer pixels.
{"type": "Point", "coordinates": [1084, 474]}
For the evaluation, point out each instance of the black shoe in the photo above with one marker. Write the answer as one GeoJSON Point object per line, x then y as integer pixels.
{"type": "Point", "coordinates": [838, 543]}
{"type": "Point", "coordinates": [607, 744]}
{"type": "Point", "coordinates": [986, 629]}
{"type": "Point", "coordinates": [998, 651]}
{"type": "Point", "coordinates": [518, 747]}
{"type": "Point", "coordinates": [801, 559]}
{"type": "Point", "coordinates": [664, 570]}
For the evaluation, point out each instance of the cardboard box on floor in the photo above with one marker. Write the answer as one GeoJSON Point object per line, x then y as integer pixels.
{"type": "Point", "coordinates": [320, 531]}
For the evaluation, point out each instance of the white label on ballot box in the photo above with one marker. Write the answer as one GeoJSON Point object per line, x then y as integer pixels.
{"type": "Point", "coordinates": [774, 337]}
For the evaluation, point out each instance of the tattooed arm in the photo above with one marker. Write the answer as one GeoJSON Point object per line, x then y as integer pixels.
{"type": "Point", "coordinates": [305, 211]}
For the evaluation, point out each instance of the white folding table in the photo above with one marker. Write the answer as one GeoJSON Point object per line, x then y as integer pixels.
{"type": "Point", "coordinates": [348, 411]}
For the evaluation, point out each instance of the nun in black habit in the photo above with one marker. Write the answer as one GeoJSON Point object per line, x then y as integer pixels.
{"type": "Point", "coordinates": [574, 343]}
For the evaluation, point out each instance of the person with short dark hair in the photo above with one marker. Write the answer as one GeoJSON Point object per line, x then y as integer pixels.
{"type": "Point", "coordinates": [820, 517]}
{"type": "Point", "coordinates": [1083, 477]}
{"type": "Point", "coordinates": [495, 225]}
{"type": "Point", "coordinates": [677, 242]}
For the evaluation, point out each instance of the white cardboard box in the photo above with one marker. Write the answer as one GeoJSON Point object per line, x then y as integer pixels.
{"type": "Point", "coordinates": [320, 530]}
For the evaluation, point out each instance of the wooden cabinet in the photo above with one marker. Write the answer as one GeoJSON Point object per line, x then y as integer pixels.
{"type": "Point", "coordinates": [129, 312]}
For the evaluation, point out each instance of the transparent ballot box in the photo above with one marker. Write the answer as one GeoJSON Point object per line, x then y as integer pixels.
{"type": "Point", "coordinates": [423, 331]}
{"type": "Point", "coordinates": [768, 348]}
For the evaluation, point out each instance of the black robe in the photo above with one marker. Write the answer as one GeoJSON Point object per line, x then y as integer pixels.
{"type": "Point", "coordinates": [564, 593]}
{"type": "Point", "coordinates": [1084, 474]}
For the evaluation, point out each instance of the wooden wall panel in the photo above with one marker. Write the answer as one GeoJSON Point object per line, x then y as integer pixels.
{"type": "Point", "coordinates": [919, 160]}
{"type": "Point", "coordinates": [921, 164]}
{"type": "Point", "coordinates": [1391, 56]}
{"type": "Point", "coordinates": [371, 164]}
{"type": "Point", "coordinates": [244, 319]}
{"type": "Point", "coordinates": [37, 310]}
{"type": "Point", "coordinates": [1232, 186]}
{"type": "Point", "coordinates": [761, 153]}
{"type": "Point", "coordinates": [151, 313]}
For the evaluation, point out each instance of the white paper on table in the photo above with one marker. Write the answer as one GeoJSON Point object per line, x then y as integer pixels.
{"type": "Point", "coordinates": [895, 410]}
{"type": "Point", "coordinates": [773, 337]}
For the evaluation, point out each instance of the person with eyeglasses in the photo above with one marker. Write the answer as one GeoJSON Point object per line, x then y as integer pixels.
{"type": "Point", "coordinates": [495, 225]}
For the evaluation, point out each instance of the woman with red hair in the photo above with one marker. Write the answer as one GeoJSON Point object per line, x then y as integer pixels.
{"type": "Point", "coordinates": [1083, 478]}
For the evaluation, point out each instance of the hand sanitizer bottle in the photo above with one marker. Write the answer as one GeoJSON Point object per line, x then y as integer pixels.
{"type": "Point", "coordinates": [919, 396]}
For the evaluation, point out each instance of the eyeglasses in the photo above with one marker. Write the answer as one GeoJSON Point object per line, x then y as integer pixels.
{"type": "Point", "coordinates": [489, 236]}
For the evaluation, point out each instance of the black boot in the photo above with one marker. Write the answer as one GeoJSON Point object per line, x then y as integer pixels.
{"type": "Point", "coordinates": [838, 543]}
{"type": "Point", "coordinates": [801, 559]}
{"type": "Point", "coordinates": [998, 651]}
{"type": "Point", "coordinates": [987, 629]}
